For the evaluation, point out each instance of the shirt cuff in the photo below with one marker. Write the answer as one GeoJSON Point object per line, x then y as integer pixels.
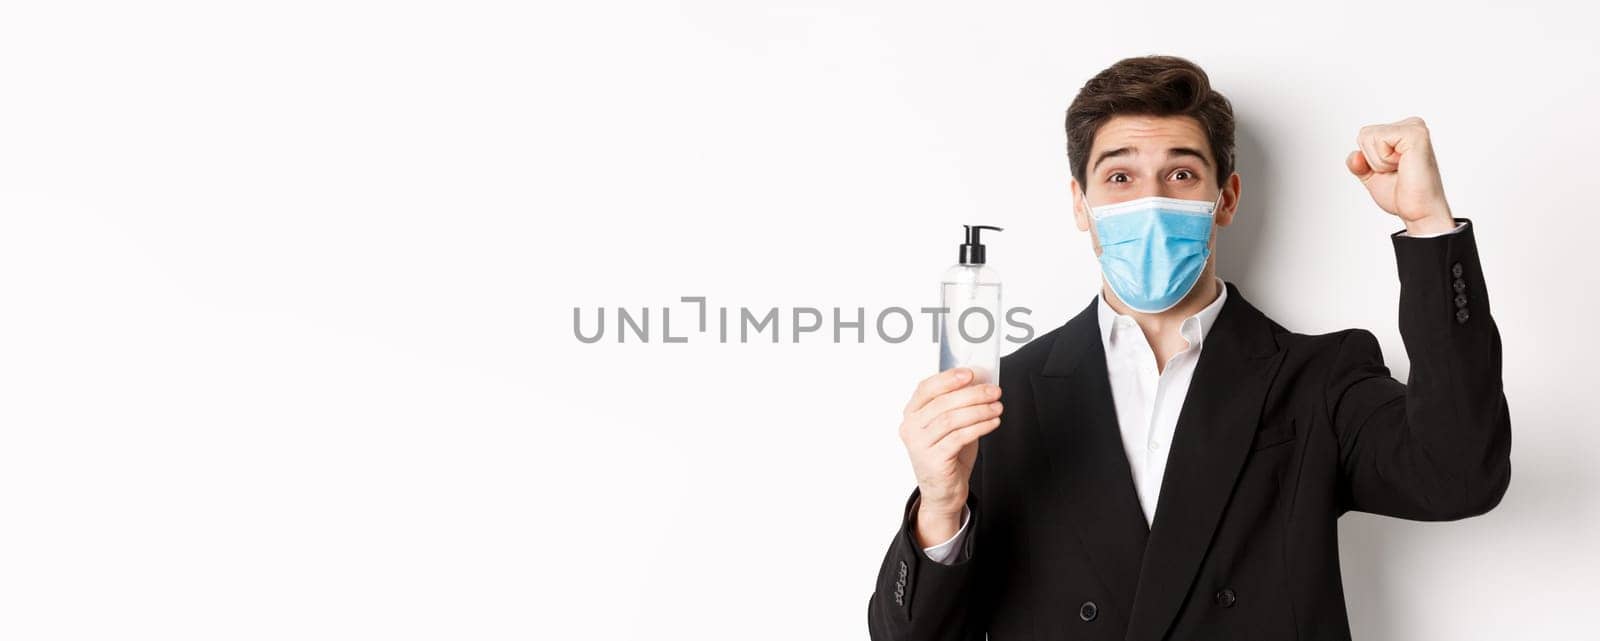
{"type": "Point", "coordinates": [1459, 225]}
{"type": "Point", "coordinates": [945, 553]}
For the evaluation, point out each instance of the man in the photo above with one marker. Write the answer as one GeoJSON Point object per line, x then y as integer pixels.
{"type": "Point", "coordinates": [1171, 463]}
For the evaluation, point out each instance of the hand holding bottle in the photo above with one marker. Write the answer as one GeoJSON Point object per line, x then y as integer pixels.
{"type": "Point", "coordinates": [940, 427]}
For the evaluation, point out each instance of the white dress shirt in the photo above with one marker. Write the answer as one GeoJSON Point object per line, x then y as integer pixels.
{"type": "Point", "coordinates": [1147, 401]}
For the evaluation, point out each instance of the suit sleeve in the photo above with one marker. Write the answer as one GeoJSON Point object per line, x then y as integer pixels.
{"type": "Point", "coordinates": [920, 599]}
{"type": "Point", "coordinates": [1436, 448]}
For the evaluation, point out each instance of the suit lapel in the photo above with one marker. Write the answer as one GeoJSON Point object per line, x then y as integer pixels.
{"type": "Point", "coordinates": [1078, 426]}
{"type": "Point", "coordinates": [1215, 427]}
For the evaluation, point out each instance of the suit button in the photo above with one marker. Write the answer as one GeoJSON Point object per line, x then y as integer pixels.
{"type": "Point", "coordinates": [1459, 285]}
{"type": "Point", "coordinates": [1461, 300]}
{"type": "Point", "coordinates": [1461, 316]}
{"type": "Point", "coordinates": [1088, 611]}
{"type": "Point", "coordinates": [1455, 270]}
{"type": "Point", "coordinates": [1226, 598]}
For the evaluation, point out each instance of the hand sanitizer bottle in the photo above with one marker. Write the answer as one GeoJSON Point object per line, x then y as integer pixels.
{"type": "Point", "coordinates": [969, 332]}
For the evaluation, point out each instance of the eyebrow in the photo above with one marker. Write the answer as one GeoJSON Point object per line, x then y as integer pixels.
{"type": "Point", "coordinates": [1171, 153]}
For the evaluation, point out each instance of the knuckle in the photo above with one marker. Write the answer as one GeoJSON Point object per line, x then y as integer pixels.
{"type": "Point", "coordinates": [956, 441]}
{"type": "Point", "coordinates": [968, 417]}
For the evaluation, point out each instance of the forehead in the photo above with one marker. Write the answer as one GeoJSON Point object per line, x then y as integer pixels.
{"type": "Point", "coordinates": [1149, 132]}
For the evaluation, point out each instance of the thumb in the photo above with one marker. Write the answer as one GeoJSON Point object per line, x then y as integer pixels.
{"type": "Point", "coordinates": [1357, 164]}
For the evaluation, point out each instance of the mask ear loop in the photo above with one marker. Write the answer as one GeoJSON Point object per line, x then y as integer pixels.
{"type": "Point", "coordinates": [1214, 207]}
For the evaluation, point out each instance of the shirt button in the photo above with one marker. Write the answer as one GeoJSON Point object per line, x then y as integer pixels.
{"type": "Point", "coordinates": [1155, 446]}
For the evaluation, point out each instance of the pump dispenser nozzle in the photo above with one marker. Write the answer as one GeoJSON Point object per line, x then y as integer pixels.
{"type": "Point", "coordinates": [972, 250]}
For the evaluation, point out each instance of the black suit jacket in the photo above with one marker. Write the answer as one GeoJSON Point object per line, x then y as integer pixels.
{"type": "Point", "coordinates": [1280, 434]}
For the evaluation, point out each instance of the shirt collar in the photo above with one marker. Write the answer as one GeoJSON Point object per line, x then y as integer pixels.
{"type": "Point", "coordinates": [1195, 327]}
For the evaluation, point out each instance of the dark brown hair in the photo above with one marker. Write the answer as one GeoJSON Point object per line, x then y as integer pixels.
{"type": "Point", "coordinates": [1149, 86]}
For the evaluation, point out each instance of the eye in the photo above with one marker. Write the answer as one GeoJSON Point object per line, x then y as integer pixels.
{"type": "Point", "coordinates": [1118, 177]}
{"type": "Point", "coordinates": [1182, 174]}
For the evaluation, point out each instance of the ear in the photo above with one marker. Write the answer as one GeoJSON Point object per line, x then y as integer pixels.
{"type": "Point", "coordinates": [1079, 214]}
{"type": "Point", "coordinates": [1230, 201]}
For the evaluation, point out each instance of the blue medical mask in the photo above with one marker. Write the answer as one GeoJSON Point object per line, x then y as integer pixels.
{"type": "Point", "coordinates": [1153, 249]}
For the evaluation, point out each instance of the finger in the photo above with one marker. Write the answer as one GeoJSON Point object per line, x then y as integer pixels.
{"type": "Point", "coordinates": [951, 444]}
{"type": "Point", "coordinates": [935, 385]}
{"type": "Point", "coordinates": [969, 395]}
{"type": "Point", "coordinates": [1389, 145]}
{"type": "Point", "coordinates": [958, 418]}
{"type": "Point", "coordinates": [1357, 164]}
{"type": "Point", "coordinates": [1414, 136]}
{"type": "Point", "coordinates": [1368, 142]}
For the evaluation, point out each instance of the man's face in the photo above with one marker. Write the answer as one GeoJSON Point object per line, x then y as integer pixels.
{"type": "Point", "coordinates": [1137, 156]}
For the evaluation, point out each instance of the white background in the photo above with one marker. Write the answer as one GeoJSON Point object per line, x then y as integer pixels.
{"type": "Point", "coordinates": [287, 289]}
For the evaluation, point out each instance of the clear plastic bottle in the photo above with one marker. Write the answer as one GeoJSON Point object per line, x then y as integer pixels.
{"type": "Point", "coordinates": [970, 331]}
